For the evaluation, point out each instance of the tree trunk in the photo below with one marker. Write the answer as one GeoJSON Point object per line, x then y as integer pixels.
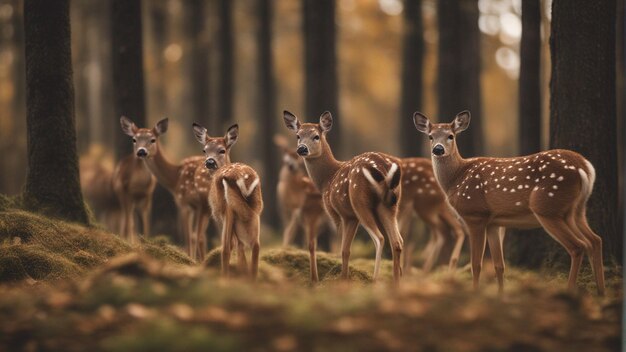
{"type": "Point", "coordinates": [321, 87]}
{"type": "Point", "coordinates": [199, 63]}
{"type": "Point", "coordinates": [227, 74]}
{"type": "Point", "coordinates": [459, 69]}
{"type": "Point", "coordinates": [52, 181]}
{"type": "Point", "coordinates": [583, 103]}
{"type": "Point", "coordinates": [412, 78]}
{"type": "Point", "coordinates": [522, 245]}
{"type": "Point", "coordinates": [267, 111]}
{"type": "Point", "coordinates": [128, 79]}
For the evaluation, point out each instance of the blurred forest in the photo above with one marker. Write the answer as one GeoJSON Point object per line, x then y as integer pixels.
{"type": "Point", "coordinates": [218, 62]}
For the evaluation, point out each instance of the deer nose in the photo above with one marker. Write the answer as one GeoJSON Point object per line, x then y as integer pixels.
{"type": "Point", "coordinates": [438, 150]}
{"type": "Point", "coordinates": [142, 153]}
{"type": "Point", "coordinates": [210, 163]}
{"type": "Point", "coordinates": [302, 150]}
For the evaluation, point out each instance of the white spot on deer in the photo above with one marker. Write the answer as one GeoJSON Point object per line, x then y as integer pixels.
{"type": "Point", "coordinates": [492, 173]}
{"type": "Point", "coordinates": [560, 178]}
{"type": "Point", "coordinates": [550, 194]}
{"type": "Point", "coordinates": [555, 187]}
{"type": "Point", "coordinates": [505, 189]}
{"type": "Point", "coordinates": [428, 185]}
{"type": "Point", "coordinates": [406, 182]}
{"type": "Point", "coordinates": [410, 164]}
{"type": "Point", "coordinates": [420, 169]}
{"type": "Point", "coordinates": [526, 186]}
{"type": "Point", "coordinates": [536, 188]}
{"type": "Point", "coordinates": [552, 175]}
{"type": "Point", "coordinates": [520, 187]}
{"type": "Point", "coordinates": [468, 197]}
{"type": "Point", "coordinates": [497, 186]}
{"type": "Point", "coordinates": [536, 180]}
{"type": "Point", "coordinates": [477, 186]}
{"type": "Point", "coordinates": [512, 190]}
{"type": "Point", "coordinates": [513, 178]}
{"type": "Point", "coordinates": [518, 203]}
{"type": "Point", "coordinates": [419, 190]}
{"type": "Point", "coordinates": [432, 191]}
{"type": "Point", "coordinates": [414, 178]}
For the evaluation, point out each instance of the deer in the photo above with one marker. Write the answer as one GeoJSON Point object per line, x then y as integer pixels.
{"type": "Point", "coordinates": [96, 180]}
{"type": "Point", "coordinates": [422, 196]}
{"type": "Point", "coordinates": [235, 199]}
{"type": "Point", "coordinates": [363, 190]}
{"type": "Point", "coordinates": [179, 179]}
{"type": "Point", "coordinates": [134, 186]}
{"type": "Point", "coordinates": [549, 189]}
{"type": "Point", "coordinates": [299, 201]}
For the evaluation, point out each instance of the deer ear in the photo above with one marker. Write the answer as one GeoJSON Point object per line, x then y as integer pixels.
{"type": "Point", "coordinates": [291, 121]}
{"type": "Point", "coordinates": [128, 126]}
{"type": "Point", "coordinates": [422, 123]}
{"type": "Point", "coordinates": [231, 135]}
{"type": "Point", "coordinates": [200, 133]}
{"type": "Point", "coordinates": [461, 121]}
{"type": "Point", "coordinates": [326, 121]}
{"type": "Point", "coordinates": [161, 126]}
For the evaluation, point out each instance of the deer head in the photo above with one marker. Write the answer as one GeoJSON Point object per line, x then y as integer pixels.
{"type": "Point", "coordinates": [216, 149]}
{"type": "Point", "coordinates": [311, 137]}
{"type": "Point", "coordinates": [144, 139]}
{"type": "Point", "coordinates": [442, 135]}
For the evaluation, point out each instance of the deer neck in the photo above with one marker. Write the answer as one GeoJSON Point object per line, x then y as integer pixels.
{"type": "Point", "coordinates": [166, 172]}
{"type": "Point", "coordinates": [321, 169]}
{"type": "Point", "coordinates": [448, 169]}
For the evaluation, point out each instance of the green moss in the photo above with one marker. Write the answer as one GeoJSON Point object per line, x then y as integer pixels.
{"type": "Point", "coordinates": [160, 248]}
{"type": "Point", "coordinates": [22, 262]}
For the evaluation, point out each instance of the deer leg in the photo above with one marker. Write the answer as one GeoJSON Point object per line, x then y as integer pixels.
{"type": "Point", "coordinates": [227, 233]}
{"type": "Point", "coordinates": [494, 238]}
{"type": "Point", "coordinates": [202, 222]}
{"type": "Point", "coordinates": [242, 262]}
{"type": "Point", "coordinates": [254, 233]}
{"type": "Point", "coordinates": [193, 236]}
{"type": "Point", "coordinates": [405, 220]}
{"type": "Point", "coordinates": [130, 223]}
{"type": "Point", "coordinates": [347, 229]}
{"type": "Point", "coordinates": [146, 209]}
{"type": "Point", "coordinates": [459, 238]}
{"type": "Point", "coordinates": [311, 227]}
{"type": "Point", "coordinates": [596, 250]}
{"type": "Point", "coordinates": [438, 243]}
{"type": "Point", "coordinates": [290, 229]}
{"type": "Point", "coordinates": [477, 249]}
{"type": "Point", "coordinates": [558, 229]}
{"type": "Point", "coordinates": [386, 220]}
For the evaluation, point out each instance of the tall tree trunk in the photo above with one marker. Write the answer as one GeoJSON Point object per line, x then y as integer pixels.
{"type": "Point", "coordinates": [321, 87]}
{"type": "Point", "coordinates": [529, 79]}
{"type": "Point", "coordinates": [200, 62]}
{"type": "Point", "coordinates": [267, 111]}
{"type": "Point", "coordinates": [128, 78]}
{"type": "Point", "coordinates": [412, 79]}
{"type": "Point", "coordinates": [522, 246]}
{"type": "Point", "coordinates": [227, 72]}
{"type": "Point", "coordinates": [583, 105]}
{"type": "Point", "coordinates": [459, 69]}
{"type": "Point", "coordinates": [52, 182]}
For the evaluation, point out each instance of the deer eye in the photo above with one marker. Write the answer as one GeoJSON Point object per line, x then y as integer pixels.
{"type": "Point", "coordinates": [316, 138]}
{"type": "Point", "coordinates": [297, 137]}
{"type": "Point", "coordinates": [450, 137]}
{"type": "Point", "coordinates": [153, 140]}
{"type": "Point", "coordinates": [430, 137]}
{"type": "Point", "coordinates": [134, 140]}
{"type": "Point", "coordinates": [204, 151]}
{"type": "Point", "coordinates": [222, 151]}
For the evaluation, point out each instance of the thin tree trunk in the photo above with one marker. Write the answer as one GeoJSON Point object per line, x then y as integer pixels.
{"type": "Point", "coordinates": [321, 87]}
{"type": "Point", "coordinates": [200, 62]}
{"type": "Point", "coordinates": [412, 79]}
{"type": "Point", "coordinates": [227, 74]}
{"type": "Point", "coordinates": [52, 182]}
{"type": "Point", "coordinates": [267, 111]}
{"type": "Point", "coordinates": [459, 69]}
{"type": "Point", "coordinates": [128, 77]}
{"type": "Point", "coordinates": [583, 102]}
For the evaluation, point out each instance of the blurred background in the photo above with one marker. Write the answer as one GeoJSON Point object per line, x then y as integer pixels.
{"type": "Point", "coordinates": [372, 63]}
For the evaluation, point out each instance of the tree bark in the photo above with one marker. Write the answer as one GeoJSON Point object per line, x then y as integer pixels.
{"type": "Point", "coordinates": [321, 87]}
{"type": "Point", "coordinates": [267, 111]}
{"type": "Point", "coordinates": [199, 62]}
{"type": "Point", "coordinates": [459, 69]}
{"type": "Point", "coordinates": [522, 245]}
{"type": "Point", "coordinates": [128, 76]}
{"type": "Point", "coordinates": [52, 181]}
{"type": "Point", "coordinates": [412, 78]}
{"type": "Point", "coordinates": [227, 72]}
{"type": "Point", "coordinates": [583, 103]}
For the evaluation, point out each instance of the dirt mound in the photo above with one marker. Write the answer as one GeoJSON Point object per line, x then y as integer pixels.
{"type": "Point", "coordinates": [40, 248]}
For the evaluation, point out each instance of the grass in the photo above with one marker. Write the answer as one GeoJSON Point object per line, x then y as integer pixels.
{"type": "Point", "coordinates": [67, 287]}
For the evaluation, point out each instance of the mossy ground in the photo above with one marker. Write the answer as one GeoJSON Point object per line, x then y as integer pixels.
{"type": "Point", "coordinates": [66, 287]}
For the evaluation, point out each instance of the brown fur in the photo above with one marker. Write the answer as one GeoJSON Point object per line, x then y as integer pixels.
{"type": "Point", "coordinates": [422, 196]}
{"type": "Point", "coordinates": [548, 189]}
{"type": "Point", "coordinates": [350, 198]}
{"type": "Point", "coordinates": [179, 179]}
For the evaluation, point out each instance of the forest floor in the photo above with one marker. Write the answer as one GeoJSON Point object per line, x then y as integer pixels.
{"type": "Point", "coordinates": [65, 287]}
